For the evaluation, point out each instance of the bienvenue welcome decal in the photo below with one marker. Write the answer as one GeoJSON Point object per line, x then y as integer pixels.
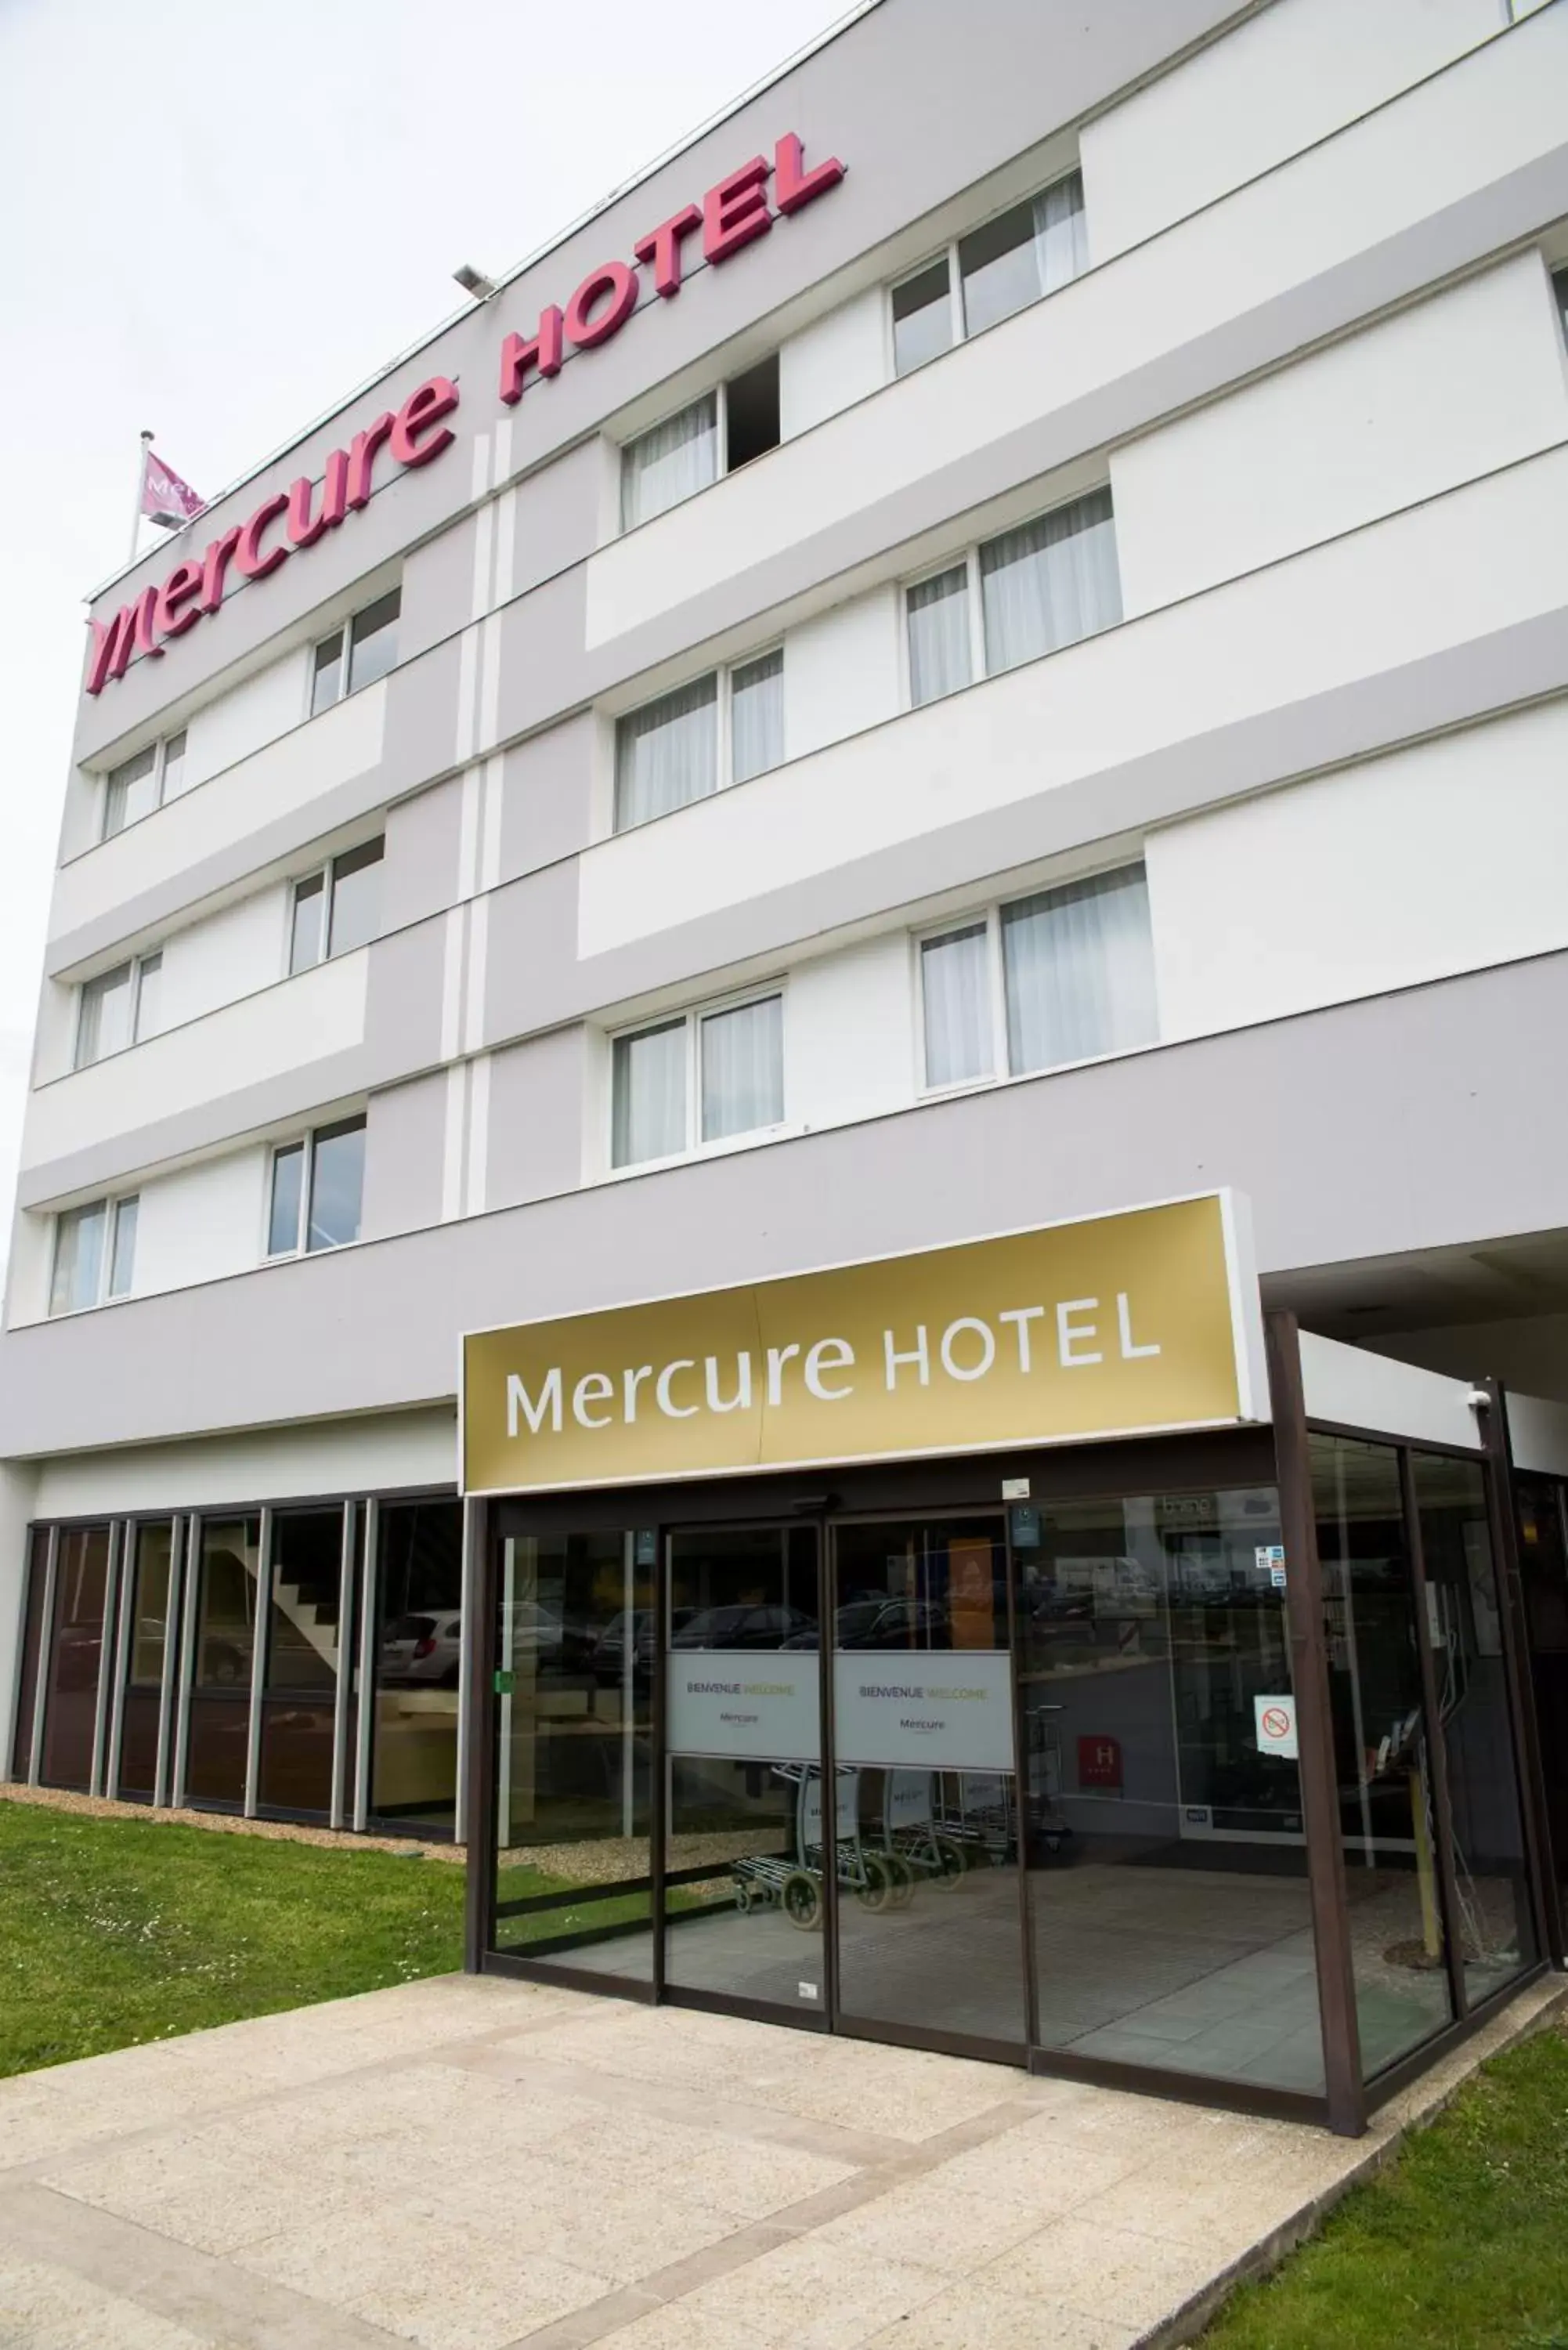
{"type": "Point", "coordinates": [730, 216]}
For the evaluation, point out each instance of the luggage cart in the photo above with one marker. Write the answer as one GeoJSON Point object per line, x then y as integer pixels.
{"type": "Point", "coordinates": [797, 1885]}
{"type": "Point", "coordinates": [981, 1817]}
{"type": "Point", "coordinates": [911, 1836]}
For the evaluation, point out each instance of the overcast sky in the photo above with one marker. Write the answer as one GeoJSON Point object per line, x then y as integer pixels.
{"type": "Point", "coordinates": [217, 217]}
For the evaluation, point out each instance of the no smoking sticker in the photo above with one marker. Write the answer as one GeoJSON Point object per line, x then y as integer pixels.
{"type": "Point", "coordinates": [1276, 1723]}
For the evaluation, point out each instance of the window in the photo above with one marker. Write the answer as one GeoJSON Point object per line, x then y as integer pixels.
{"type": "Point", "coordinates": [337, 909]}
{"type": "Point", "coordinates": [1000, 268]}
{"type": "Point", "coordinates": [1560, 287]}
{"type": "Point", "coordinates": [716, 434]}
{"type": "Point", "coordinates": [95, 1254]}
{"type": "Point", "coordinates": [725, 727]}
{"type": "Point", "coordinates": [119, 1008]}
{"type": "Point", "coordinates": [140, 784]}
{"type": "Point", "coordinates": [1064, 975]}
{"type": "Point", "coordinates": [1029, 592]}
{"type": "Point", "coordinates": [697, 1079]}
{"type": "Point", "coordinates": [317, 1186]}
{"type": "Point", "coordinates": [370, 642]}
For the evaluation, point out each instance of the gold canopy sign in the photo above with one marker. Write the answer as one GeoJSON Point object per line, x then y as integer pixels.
{"type": "Point", "coordinates": [1122, 1325]}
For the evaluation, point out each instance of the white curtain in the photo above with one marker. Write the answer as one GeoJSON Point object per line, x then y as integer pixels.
{"type": "Point", "coordinates": [133, 791]}
{"type": "Point", "coordinates": [649, 1112]}
{"type": "Point", "coordinates": [1060, 236]}
{"type": "Point", "coordinates": [939, 636]}
{"type": "Point", "coordinates": [678, 458]}
{"type": "Point", "coordinates": [1079, 970]}
{"type": "Point", "coordinates": [667, 755]}
{"type": "Point", "coordinates": [1052, 582]}
{"type": "Point", "coordinates": [955, 994]}
{"type": "Point", "coordinates": [756, 717]}
{"type": "Point", "coordinates": [79, 1259]}
{"type": "Point", "coordinates": [103, 1023]}
{"type": "Point", "coordinates": [743, 1068]}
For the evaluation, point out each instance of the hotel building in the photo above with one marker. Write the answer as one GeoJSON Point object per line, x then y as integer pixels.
{"type": "Point", "coordinates": [962, 692]}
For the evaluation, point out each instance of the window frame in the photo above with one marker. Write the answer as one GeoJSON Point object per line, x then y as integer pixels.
{"type": "Point", "coordinates": [343, 635]}
{"type": "Point", "coordinates": [326, 873]}
{"type": "Point", "coordinates": [948, 251]}
{"type": "Point", "coordinates": [720, 394]}
{"type": "Point", "coordinates": [981, 672]}
{"type": "Point", "coordinates": [723, 676]}
{"type": "Point", "coordinates": [1002, 1072]}
{"type": "Point", "coordinates": [306, 1143]}
{"type": "Point", "coordinates": [113, 1204]}
{"type": "Point", "coordinates": [690, 1017]}
{"type": "Point", "coordinates": [135, 967]}
{"type": "Point", "coordinates": [160, 746]}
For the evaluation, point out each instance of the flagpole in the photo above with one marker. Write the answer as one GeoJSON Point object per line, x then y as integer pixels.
{"type": "Point", "coordinates": [140, 485]}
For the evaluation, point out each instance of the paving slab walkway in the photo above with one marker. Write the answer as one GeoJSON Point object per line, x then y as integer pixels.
{"type": "Point", "coordinates": [470, 2163]}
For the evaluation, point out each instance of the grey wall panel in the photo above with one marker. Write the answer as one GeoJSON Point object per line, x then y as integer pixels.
{"type": "Point", "coordinates": [437, 587]}
{"type": "Point", "coordinates": [547, 785]}
{"type": "Point", "coordinates": [404, 1146]}
{"type": "Point", "coordinates": [542, 655]}
{"type": "Point", "coordinates": [557, 516]}
{"type": "Point", "coordinates": [422, 720]}
{"type": "Point", "coordinates": [537, 1110]}
{"type": "Point", "coordinates": [1452, 1136]}
{"type": "Point", "coordinates": [403, 1005]}
{"type": "Point", "coordinates": [531, 974]}
{"type": "Point", "coordinates": [420, 876]}
{"type": "Point", "coordinates": [907, 95]}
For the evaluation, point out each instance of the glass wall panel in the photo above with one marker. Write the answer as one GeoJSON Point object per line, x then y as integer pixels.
{"type": "Point", "coordinates": [1386, 1816]}
{"type": "Point", "coordinates": [744, 1901]}
{"type": "Point", "coordinates": [1171, 1920]}
{"type": "Point", "coordinates": [150, 1568]}
{"type": "Point", "coordinates": [223, 1644]}
{"type": "Point", "coordinates": [1543, 1573]}
{"type": "Point", "coordinates": [31, 1650]}
{"type": "Point", "coordinates": [929, 1836]}
{"type": "Point", "coordinates": [419, 1639]}
{"type": "Point", "coordinates": [300, 1685]}
{"type": "Point", "coordinates": [76, 1651]}
{"type": "Point", "coordinates": [1495, 1925]}
{"type": "Point", "coordinates": [577, 1655]}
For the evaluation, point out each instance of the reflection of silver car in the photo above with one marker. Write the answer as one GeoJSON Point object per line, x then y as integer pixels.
{"type": "Point", "coordinates": [424, 1650]}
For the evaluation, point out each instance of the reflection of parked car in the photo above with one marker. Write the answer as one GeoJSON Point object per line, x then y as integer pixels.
{"type": "Point", "coordinates": [741, 1627]}
{"type": "Point", "coordinates": [638, 1625]}
{"type": "Point", "coordinates": [422, 1651]}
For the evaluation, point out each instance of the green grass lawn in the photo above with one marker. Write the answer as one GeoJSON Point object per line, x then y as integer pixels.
{"type": "Point", "coordinates": [1463, 2245]}
{"type": "Point", "coordinates": [113, 1931]}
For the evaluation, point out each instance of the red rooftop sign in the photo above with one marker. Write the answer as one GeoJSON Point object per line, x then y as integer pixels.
{"type": "Point", "coordinates": [730, 216]}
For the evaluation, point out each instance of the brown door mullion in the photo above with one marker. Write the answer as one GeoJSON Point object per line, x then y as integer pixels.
{"type": "Point", "coordinates": [1021, 1794]}
{"type": "Point", "coordinates": [481, 1754]}
{"type": "Point", "coordinates": [1437, 1753]}
{"type": "Point", "coordinates": [1550, 1923]}
{"type": "Point", "coordinates": [827, 1769]}
{"type": "Point", "coordinates": [1319, 1776]}
{"type": "Point", "coordinates": [658, 1735]}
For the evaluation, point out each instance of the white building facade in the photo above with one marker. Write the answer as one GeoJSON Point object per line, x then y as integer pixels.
{"type": "Point", "coordinates": [982, 646]}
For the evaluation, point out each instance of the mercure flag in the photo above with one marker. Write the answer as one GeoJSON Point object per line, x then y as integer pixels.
{"type": "Point", "coordinates": [164, 497]}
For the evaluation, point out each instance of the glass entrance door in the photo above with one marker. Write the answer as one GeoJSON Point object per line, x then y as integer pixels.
{"type": "Point", "coordinates": [744, 1906]}
{"type": "Point", "coordinates": [928, 1848]}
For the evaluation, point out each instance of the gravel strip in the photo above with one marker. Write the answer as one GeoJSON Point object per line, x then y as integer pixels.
{"type": "Point", "coordinates": [98, 1807]}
